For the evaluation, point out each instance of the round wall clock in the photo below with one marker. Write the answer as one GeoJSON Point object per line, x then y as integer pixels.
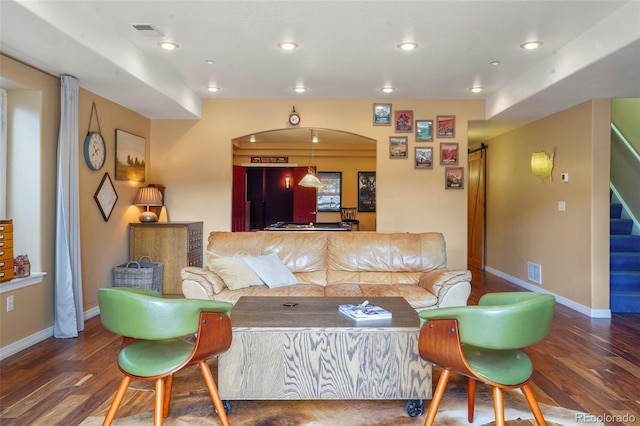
{"type": "Point", "coordinates": [294, 118]}
{"type": "Point", "coordinates": [95, 151]}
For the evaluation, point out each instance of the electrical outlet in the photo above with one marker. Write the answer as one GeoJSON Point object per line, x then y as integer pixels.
{"type": "Point", "coordinates": [9, 303]}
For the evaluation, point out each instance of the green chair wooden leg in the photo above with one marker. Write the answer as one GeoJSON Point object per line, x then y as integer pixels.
{"type": "Point", "coordinates": [437, 397]}
{"type": "Point", "coordinates": [471, 399]}
{"type": "Point", "coordinates": [117, 401]}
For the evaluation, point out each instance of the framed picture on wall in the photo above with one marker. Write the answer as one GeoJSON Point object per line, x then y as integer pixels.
{"type": "Point", "coordinates": [424, 158]}
{"type": "Point", "coordinates": [453, 177]}
{"type": "Point", "coordinates": [448, 153]}
{"type": "Point", "coordinates": [424, 130]}
{"type": "Point", "coordinates": [106, 197]}
{"type": "Point", "coordinates": [446, 126]}
{"type": "Point", "coordinates": [131, 157]}
{"type": "Point", "coordinates": [366, 191]}
{"type": "Point", "coordinates": [329, 196]}
{"type": "Point", "coordinates": [398, 146]}
{"type": "Point", "coordinates": [382, 114]}
{"type": "Point", "coordinates": [404, 121]}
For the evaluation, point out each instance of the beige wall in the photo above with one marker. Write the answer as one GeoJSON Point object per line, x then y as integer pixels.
{"type": "Point", "coordinates": [34, 305]}
{"type": "Point", "coordinates": [105, 244]}
{"type": "Point", "coordinates": [193, 158]}
{"type": "Point", "coordinates": [523, 221]}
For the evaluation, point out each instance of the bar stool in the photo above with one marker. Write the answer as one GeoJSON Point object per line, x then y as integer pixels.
{"type": "Point", "coordinates": [348, 215]}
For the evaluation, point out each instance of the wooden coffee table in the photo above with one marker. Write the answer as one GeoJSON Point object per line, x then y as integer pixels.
{"type": "Point", "coordinates": [312, 351]}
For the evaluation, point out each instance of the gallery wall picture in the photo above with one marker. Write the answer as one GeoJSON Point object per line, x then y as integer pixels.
{"type": "Point", "coordinates": [382, 114]}
{"type": "Point", "coordinates": [449, 153]}
{"type": "Point", "coordinates": [424, 130]}
{"type": "Point", "coordinates": [130, 156]}
{"type": "Point", "coordinates": [398, 146]}
{"type": "Point", "coordinates": [404, 121]}
{"type": "Point", "coordinates": [454, 178]}
{"type": "Point", "coordinates": [424, 158]}
{"type": "Point", "coordinates": [446, 126]}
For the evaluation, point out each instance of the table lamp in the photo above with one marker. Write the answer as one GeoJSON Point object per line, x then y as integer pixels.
{"type": "Point", "coordinates": [147, 197]}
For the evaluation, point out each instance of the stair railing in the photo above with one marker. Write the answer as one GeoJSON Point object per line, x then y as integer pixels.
{"type": "Point", "coordinates": [625, 175]}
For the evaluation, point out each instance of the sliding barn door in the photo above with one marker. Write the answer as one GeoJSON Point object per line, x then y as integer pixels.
{"type": "Point", "coordinates": [475, 226]}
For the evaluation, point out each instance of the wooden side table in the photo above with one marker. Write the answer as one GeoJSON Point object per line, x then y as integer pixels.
{"type": "Point", "coordinates": [176, 244]}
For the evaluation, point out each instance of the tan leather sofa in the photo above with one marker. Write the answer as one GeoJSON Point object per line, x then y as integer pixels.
{"type": "Point", "coordinates": [325, 263]}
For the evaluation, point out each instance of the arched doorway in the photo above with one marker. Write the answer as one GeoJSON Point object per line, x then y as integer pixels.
{"type": "Point", "coordinates": [270, 157]}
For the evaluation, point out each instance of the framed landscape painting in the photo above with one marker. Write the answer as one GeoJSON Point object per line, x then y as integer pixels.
{"type": "Point", "coordinates": [453, 178]}
{"type": "Point", "coordinates": [448, 153]}
{"type": "Point", "coordinates": [404, 121]}
{"type": "Point", "coordinates": [424, 130]}
{"type": "Point", "coordinates": [382, 114]}
{"type": "Point", "coordinates": [398, 146]}
{"type": "Point", "coordinates": [446, 126]}
{"type": "Point", "coordinates": [130, 156]}
{"type": "Point", "coordinates": [424, 157]}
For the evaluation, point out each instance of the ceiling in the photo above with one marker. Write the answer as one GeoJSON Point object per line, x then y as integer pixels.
{"type": "Point", "coordinates": [347, 49]}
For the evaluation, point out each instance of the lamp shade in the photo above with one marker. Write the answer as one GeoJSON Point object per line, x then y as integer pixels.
{"type": "Point", "coordinates": [310, 180]}
{"type": "Point", "coordinates": [148, 196]}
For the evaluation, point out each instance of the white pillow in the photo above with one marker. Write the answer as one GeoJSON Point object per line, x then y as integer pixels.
{"type": "Point", "coordinates": [271, 270]}
{"type": "Point", "coordinates": [235, 273]}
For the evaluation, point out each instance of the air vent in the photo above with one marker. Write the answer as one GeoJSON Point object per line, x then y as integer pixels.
{"type": "Point", "coordinates": [534, 272]}
{"type": "Point", "coordinates": [147, 30]}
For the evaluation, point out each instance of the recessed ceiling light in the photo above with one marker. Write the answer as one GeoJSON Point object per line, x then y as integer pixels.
{"type": "Point", "coordinates": [388, 89]}
{"type": "Point", "coordinates": [476, 89]}
{"type": "Point", "coordinates": [299, 89]}
{"type": "Point", "coordinates": [408, 45]}
{"type": "Point", "coordinates": [213, 89]}
{"type": "Point", "coordinates": [168, 45]}
{"type": "Point", "coordinates": [495, 63]}
{"type": "Point", "coordinates": [288, 45]}
{"type": "Point", "coordinates": [209, 62]}
{"type": "Point", "coordinates": [530, 45]}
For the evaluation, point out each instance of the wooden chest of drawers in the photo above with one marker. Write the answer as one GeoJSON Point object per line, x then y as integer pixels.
{"type": "Point", "coordinates": [6, 250]}
{"type": "Point", "coordinates": [176, 244]}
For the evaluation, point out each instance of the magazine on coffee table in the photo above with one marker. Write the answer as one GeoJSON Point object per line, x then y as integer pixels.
{"type": "Point", "coordinates": [365, 311]}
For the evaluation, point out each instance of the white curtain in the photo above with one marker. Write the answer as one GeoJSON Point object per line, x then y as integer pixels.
{"type": "Point", "coordinates": [69, 318]}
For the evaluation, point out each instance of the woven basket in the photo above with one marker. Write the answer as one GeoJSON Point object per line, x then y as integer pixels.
{"type": "Point", "coordinates": [139, 274]}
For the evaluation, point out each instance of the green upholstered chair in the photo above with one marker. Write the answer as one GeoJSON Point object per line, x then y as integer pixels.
{"type": "Point", "coordinates": [162, 336]}
{"type": "Point", "coordinates": [483, 342]}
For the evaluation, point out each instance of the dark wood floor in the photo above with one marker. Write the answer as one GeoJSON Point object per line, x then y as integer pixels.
{"type": "Point", "coordinates": [591, 365]}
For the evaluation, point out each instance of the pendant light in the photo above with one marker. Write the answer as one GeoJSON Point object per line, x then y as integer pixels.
{"type": "Point", "coordinates": [310, 180]}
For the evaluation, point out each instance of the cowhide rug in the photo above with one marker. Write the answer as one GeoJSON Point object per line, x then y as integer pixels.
{"type": "Point", "coordinates": [191, 405]}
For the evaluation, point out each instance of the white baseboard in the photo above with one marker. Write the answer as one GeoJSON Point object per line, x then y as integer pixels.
{"type": "Point", "coordinates": [38, 337]}
{"type": "Point", "coordinates": [25, 343]}
{"type": "Point", "coordinates": [93, 312]}
{"type": "Point", "coordinates": [592, 313]}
